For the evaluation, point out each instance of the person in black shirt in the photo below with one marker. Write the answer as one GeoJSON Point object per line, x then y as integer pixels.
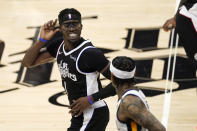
{"type": "Point", "coordinates": [185, 24]}
{"type": "Point", "coordinates": [80, 64]}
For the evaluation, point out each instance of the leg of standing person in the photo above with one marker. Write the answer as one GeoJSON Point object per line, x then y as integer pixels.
{"type": "Point", "coordinates": [187, 35]}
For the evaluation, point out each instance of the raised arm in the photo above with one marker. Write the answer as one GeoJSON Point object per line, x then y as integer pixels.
{"type": "Point", "coordinates": [133, 108]}
{"type": "Point", "coordinates": [33, 56]}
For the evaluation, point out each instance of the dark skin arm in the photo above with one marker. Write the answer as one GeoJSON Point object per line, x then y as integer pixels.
{"type": "Point", "coordinates": [171, 23]}
{"type": "Point", "coordinates": [33, 56]}
{"type": "Point", "coordinates": [133, 108]}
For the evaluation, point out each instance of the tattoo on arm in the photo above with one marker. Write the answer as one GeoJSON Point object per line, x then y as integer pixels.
{"type": "Point", "coordinates": [137, 111]}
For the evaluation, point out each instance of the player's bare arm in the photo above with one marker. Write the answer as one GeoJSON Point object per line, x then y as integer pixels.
{"type": "Point", "coordinates": [171, 23]}
{"type": "Point", "coordinates": [134, 108]}
{"type": "Point", "coordinates": [33, 56]}
{"type": "Point", "coordinates": [105, 69]}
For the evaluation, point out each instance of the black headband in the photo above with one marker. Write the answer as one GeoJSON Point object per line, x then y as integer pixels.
{"type": "Point", "coordinates": [70, 16]}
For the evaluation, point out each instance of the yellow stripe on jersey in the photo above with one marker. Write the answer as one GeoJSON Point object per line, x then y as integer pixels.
{"type": "Point", "coordinates": [133, 126]}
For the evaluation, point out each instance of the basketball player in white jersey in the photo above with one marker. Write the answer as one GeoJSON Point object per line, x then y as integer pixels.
{"type": "Point", "coordinates": [132, 112]}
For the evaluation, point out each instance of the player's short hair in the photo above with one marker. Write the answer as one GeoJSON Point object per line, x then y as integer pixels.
{"type": "Point", "coordinates": [69, 14]}
{"type": "Point", "coordinates": [123, 63]}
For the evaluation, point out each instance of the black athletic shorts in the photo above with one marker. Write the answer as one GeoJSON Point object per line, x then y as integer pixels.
{"type": "Point", "coordinates": [93, 119]}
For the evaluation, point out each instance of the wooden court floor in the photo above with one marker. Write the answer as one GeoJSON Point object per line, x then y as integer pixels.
{"type": "Point", "coordinates": [42, 107]}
